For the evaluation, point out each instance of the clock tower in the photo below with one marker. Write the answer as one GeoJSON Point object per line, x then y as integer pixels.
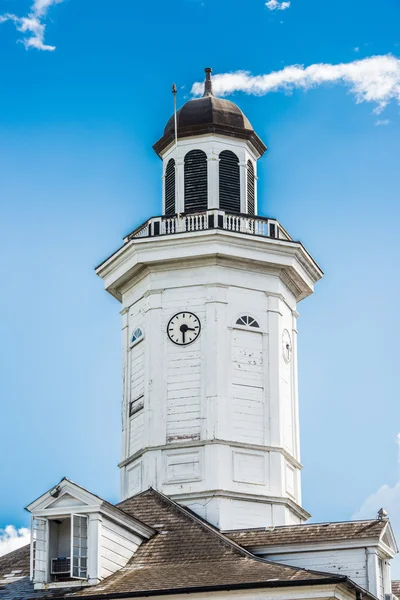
{"type": "Point", "coordinates": [209, 292]}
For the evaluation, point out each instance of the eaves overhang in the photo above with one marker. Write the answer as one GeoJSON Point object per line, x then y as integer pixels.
{"type": "Point", "coordinates": [290, 257]}
{"type": "Point", "coordinates": [273, 584]}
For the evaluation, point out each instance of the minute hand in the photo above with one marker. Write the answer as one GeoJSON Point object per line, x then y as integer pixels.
{"type": "Point", "coordinates": [190, 329]}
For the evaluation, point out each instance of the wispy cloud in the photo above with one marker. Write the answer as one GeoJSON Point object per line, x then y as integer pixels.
{"type": "Point", "coordinates": [382, 122]}
{"type": "Point", "coordinates": [389, 498]}
{"type": "Point", "coordinates": [12, 538]}
{"type": "Point", "coordinates": [32, 25]}
{"type": "Point", "coordinates": [375, 79]}
{"type": "Point", "coordinates": [275, 5]}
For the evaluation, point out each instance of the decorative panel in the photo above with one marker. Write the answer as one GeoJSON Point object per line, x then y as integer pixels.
{"type": "Point", "coordinates": [134, 475]}
{"type": "Point", "coordinates": [249, 467]}
{"type": "Point", "coordinates": [247, 386]}
{"type": "Point", "coordinates": [182, 465]}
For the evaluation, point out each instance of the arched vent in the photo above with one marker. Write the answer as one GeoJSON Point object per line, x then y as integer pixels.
{"type": "Point", "coordinates": [195, 181]}
{"type": "Point", "coordinates": [229, 182]}
{"type": "Point", "coordinates": [170, 188]}
{"type": "Point", "coordinates": [247, 321]}
{"type": "Point", "coordinates": [251, 190]}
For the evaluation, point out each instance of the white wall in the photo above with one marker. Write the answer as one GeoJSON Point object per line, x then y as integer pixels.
{"type": "Point", "coordinates": [117, 546]}
{"type": "Point", "coordinates": [350, 562]}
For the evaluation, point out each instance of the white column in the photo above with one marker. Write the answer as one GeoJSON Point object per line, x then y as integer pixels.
{"type": "Point", "coordinates": [180, 184]}
{"type": "Point", "coordinates": [213, 179]}
{"type": "Point", "coordinates": [155, 378]}
{"type": "Point", "coordinates": [372, 570]}
{"type": "Point", "coordinates": [217, 364]}
{"type": "Point", "coordinates": [94, 537]}
{"type": "Point", "coordinates": [125, 381]}
{"type": "Point", "coordinates": [243, 186]}
{"type": "Point", "coordinates": [163, 187]}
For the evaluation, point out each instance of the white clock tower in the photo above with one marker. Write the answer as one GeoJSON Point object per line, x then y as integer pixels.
{"type": "Point", "coordinates": [209, 293]}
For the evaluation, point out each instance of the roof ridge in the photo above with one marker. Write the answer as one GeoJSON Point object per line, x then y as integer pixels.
{"type": "Point", "coordinates": [299, 525]}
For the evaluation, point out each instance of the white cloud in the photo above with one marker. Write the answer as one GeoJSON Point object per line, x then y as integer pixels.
{"type": "Point", "coordinates": [275, 5]}
{"type": "Point", "coordinates": [33, 24]}
{"type": "Point", "coordinates": [381, 122]}
{"type": "Point", "coordinates": [12, 538]}
{"type": "Point", "coordinates": [375, 79]}
{"type": "Point", "coordinates": [389, 498]}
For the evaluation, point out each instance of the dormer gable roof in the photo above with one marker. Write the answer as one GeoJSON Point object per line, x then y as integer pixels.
{"type": "Point", "coordinates": [69, 497]}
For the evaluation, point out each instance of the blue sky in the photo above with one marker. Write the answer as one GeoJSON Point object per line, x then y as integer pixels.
{"type": "Point", "coordinates": [77, 124]}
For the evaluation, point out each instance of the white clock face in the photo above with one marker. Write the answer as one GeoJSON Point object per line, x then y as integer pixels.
{"type": "Point", "coordinates": [286, 346]}
{"type": "Point", "coordinates": [184, 328]}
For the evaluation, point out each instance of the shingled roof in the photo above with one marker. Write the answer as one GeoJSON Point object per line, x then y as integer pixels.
{"type": "Point", "coordinates": [15, 583]}
{"type": "Point", "coordinates": [186, 554]}
{"type": "Point", "coordinates": [189, 554]}
{"type": "Point", "coordinates": [396, 588]}
{"type": "Point", "coordinates": [308, 534]}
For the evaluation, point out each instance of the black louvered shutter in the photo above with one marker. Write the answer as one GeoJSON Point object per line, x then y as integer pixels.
{"type": "Point", "coordinates": [170, 188]}
{"type": "Point", "coordinates": [251, 192]}
{"type": "Point", "coordinates": [229, 182]}
{"type": "Point", "coordinates": [195, 181]}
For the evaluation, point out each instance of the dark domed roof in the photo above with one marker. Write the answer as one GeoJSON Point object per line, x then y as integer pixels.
{"type": "Point", "coordinates": [208, 110]}
{"type": "Point", "coordinates": [209, 115]}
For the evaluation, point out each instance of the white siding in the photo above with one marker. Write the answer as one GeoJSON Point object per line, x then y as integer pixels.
{"type": "Point", "coordinates": [117, 545]}
{"type": "Point", "coordinates": [350, 562]}
{"type": "Point", "coordinates": [247, 386]}
{"type": "Point", "coordinates": [184, 387]}
{"type": "Point", "coordinates": [136, 422]}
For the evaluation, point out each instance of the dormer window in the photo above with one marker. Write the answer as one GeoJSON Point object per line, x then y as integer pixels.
{"type": "Point", "coordinates": [66, 540]}
{"type": "Point", "coordinates": [73, 534]}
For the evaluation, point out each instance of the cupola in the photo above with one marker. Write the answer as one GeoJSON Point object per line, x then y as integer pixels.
{"type": "Point", "coordinates": [209, 151]}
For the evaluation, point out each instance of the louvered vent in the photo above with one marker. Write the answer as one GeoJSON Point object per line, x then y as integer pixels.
{"type": "Point", "coordinates": [251, 195]}
{"type": "Point", "coordinates": [170, 188]}
{"type": "Point", "coordinates": [229, 182]}
{"type": "Point", "coordinates": [195, 181]}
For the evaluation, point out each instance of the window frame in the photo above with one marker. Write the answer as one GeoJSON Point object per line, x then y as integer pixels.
{"type": "Point", "coordinates": [45, 559]}
{"type": "Point", "coordinates": [138, 339]}
{"type": "Point", "coordinates": [247, 326]}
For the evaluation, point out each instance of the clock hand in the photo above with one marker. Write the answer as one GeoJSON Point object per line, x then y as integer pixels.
{"type": "Point", "coordinates": [183, 335]}
{"type": "Point", "coordinates": [190, 329]}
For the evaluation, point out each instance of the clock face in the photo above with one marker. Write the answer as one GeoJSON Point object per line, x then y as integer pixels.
{"type": "Point", "coordinates": [184, 328]}
{"type": "Point", "coordinates": [286, 346]}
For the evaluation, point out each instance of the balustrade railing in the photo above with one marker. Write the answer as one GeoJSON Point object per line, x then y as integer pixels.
{"type": "Point", "coordinates": [211, 219]}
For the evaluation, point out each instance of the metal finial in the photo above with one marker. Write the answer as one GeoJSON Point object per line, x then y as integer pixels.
{"type": "Point", "coordinates": [208, 83]}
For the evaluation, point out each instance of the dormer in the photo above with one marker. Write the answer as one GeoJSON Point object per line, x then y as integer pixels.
{"type": "Point", "coordinates": [78, 538]}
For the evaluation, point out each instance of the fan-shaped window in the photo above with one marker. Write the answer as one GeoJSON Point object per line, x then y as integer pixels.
{"type": "Point", "coordinates": [247, 321]}
{"type": "Point", "coordinates": [251, 189]}
{"type": "Point", "coordinates": [170, 188]}
{"type": "Point", "coordinates": [195, 181]}
{"type": "Point", "coordinates": [137, 335]}
{"type": "Point", "coordinates": [229, 182]}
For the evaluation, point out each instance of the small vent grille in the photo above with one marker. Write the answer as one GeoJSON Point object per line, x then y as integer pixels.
{"type": "Point", "coordinates": [60, 566]}
{"type": "Point", "coordinates": [195, 181]}
{"type": "Point", "coordinates": [170, 188]}
{"type": "Point", "coordinates": [251, 196]}
{"type": "Point", "coordinates": [229, 182]}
